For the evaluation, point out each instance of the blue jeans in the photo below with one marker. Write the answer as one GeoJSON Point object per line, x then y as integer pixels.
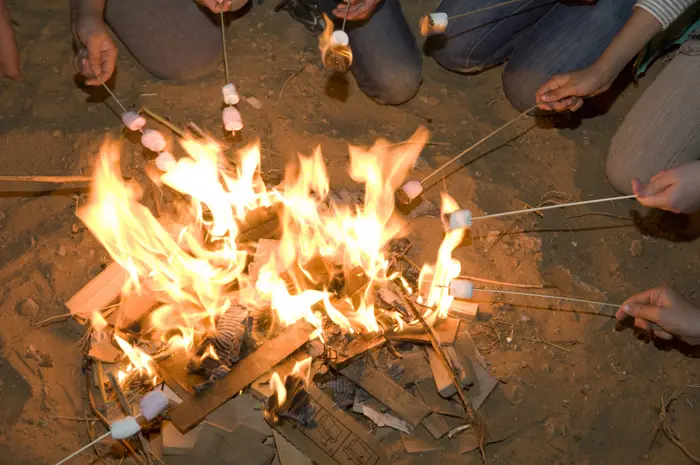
{"type": "Point", "coordinates": [538, 38]}
{"type": "Point", "coordinates": [387, 63]}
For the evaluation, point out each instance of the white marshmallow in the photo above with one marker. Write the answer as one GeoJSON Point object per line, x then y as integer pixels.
{"type": "Point", "coordinates": [412, 189]}
{"type": "Point", "coordinates": [165, 161]}
{"type": "Point", "coordinates": [125, 428]}
{"type": "Point", "coordinates": [153, 140]}
{"type": "Point", "coordinates": [433, 24]}
{"type": "Point", "coordinates": [153, 403]}
{"type": "Point", "coordinates": [461, 219]}
{"type": "Point", "coordinates": [232, 119]}
{"type": "Point", "coordinates": [461, 288]}
{"type": "Point", "coordinates": [133, 120]}
{"type": "Point", "coordinates": [340, 38]}
{"type": "Point", "coordinates": [230, 94]}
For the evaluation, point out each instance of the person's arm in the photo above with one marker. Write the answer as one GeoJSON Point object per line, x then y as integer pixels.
{"type": "Point", "coordinates": [97, 54]}
{"type": "Point", "coordinates": [676, 190]}
{"type": "Point", "coordinates": [566, 91]}
{"type": "Point", "coordinates": [663, 313]}
{"type": "Point", "coordinates": [9, 57]}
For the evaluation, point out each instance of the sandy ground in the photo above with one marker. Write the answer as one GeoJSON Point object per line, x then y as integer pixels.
{"type": "Point", "coordinates": [589, 397]}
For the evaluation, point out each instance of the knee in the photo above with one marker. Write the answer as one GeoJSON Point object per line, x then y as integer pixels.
{"type": "Point", "coordinates": [191, 68]}
{"type": "Point", "coordinates": [520, 87]}
{"type": "Point", "coordinates": [623, 164]}
{"type": "Point", "coordinates": [396, 86]}
{"type": "Point", "coordinates": [451, 55]}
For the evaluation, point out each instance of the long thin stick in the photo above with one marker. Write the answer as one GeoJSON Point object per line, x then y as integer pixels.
{"type": "Point", "coordinates": [478, 144]}
{"type": "Point", "coordinates": [551, 207]}
{"type": "Point", "coordinates": [49, 179]}
{"type": "Point", "coordinates": [345, 19]}
{"type": "Point", "coordinates": [223, 43]}
{"type": "Point", "coordinates": [113, 96]}
{"type": "Point", "coordinates": [164, 122]}
{"type": "Point", "coordinates": [547, 296]}
{"type": "Point", "coordinates": [479, 10]}
{"type": "Point", "coordinates": [84, 448]}
{"type": "Point", "coordinates": [472, 418]}
{"type": "Point", "coordinates": [127, 410]}
{"type": "Point", "coordinates": [501, 283]}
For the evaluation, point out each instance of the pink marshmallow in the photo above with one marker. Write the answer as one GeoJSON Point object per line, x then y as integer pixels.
{"type": "Point", "coordinates": [133, 121]}
{"type": "Point", "coordinates": [232, 119]}
{"type": "Point", "coordinates": [153, 140]}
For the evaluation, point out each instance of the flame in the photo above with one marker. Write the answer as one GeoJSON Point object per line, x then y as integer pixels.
{"type": "Point", "coordinates": [278, 388]}
{"type": "Point", "coordinates": [446, 269]}
{"type": "Point", "coordinates": [193, 262]}
{"type": "Point", "coordinates": [98, 322]}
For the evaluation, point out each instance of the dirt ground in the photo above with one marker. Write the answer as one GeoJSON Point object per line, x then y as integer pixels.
{"type": "Point", "coordinates": [574, 391]}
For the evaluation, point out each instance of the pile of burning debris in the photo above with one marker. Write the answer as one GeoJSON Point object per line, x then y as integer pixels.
{"type": "Point", "coordinates": [301, 298]}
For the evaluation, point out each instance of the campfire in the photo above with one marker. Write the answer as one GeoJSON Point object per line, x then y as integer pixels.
{"type": "Point", "coordinates": [217, 294]}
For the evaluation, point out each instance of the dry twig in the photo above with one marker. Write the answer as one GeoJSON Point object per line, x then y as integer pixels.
{"type": "Point", "coordinates": [669, 431]}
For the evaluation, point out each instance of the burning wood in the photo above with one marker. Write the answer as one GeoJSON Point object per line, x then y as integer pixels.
{"type": "Point", "coordinates": [208, 312]}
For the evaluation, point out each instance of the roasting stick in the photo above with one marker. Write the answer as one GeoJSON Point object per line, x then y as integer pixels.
{"type": "Point", "coordinates": [127, 411]}
{"type": "Point", "coordinates": [223, 44]}
{"type": "Point", "coordinates": [462, 219]}
{"type": "Point", "coordinates": [413, 189]}
{"type": "Point", "coordinates": [84, 448]}
{"type": "Point", "coordinates": [47, 179]}
{"type": "Point", "coordinates": [464, 289]}
{"type": "Point", "coordinates": [436, 23]}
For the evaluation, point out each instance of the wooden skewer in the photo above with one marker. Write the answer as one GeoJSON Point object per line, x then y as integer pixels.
{"type": "Point", "coordinates": [164, 122]}
{"type": "Point", "coordinates": [477, 144]}
{"type": "Point", "coordinates": [479, 10]}
{"type": "Point", "coordinates": [48, 179]}
{"type": "Point", "coordinates": [549, 296]}
{"type": "Point", "coordinates": [551, 207]}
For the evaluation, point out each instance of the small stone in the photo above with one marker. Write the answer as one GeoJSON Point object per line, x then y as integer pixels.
{"type": "Point", "coordinates": [546, 368]}
{"type": "Point", "coordinates": [636, 248]}
{"type": "Point", "coordinates": [61, 252]}
{"type": "Point", "coordinates": [56, 133]}
{"type": "Point", "coordinates": [28, 308]}
{"type": "Point", "coordinates": [253, 102]}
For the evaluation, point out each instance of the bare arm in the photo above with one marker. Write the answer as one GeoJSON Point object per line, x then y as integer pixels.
{"type": "Point", "coordinates": [9, 58]}
{"type": "Point", "coordinates": [566, 91]}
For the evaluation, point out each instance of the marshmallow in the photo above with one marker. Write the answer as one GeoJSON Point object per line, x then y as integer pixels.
{"type": "Point", "coordinates": [230, 94]}
{"type": "Point", "coordinates": [461, 219]}
{"type": "Point", "coordinates": [165, 161]}
{"type": "Point", "coordinates": [153, 140]}
{"type": "Point", "coordinates": [125, 428]}
{"type": "Point", "coordinates": [133, 120]}
{"type": "Point", "coordinates": [340, 38]}
{"type": "Point", "coordinates": [433, 24]}
{"type": "Point", "coordinates": [153, 403]}
{"type": "Point", "coordinates": [232, 119]}
{"type": "Point", "coordinates": [461, 288]}
{"type": "Point", "coordinates": [410, 191]}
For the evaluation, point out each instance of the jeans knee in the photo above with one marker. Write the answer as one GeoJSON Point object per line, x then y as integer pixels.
{"type": "Point", "coordinates": [397, 86]}
{"type": "Point", "coordinates": [622, 165]}
{"type": "Point", "coordinates": [519, 89]}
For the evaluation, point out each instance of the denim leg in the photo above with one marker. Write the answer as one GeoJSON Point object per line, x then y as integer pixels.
{"type": "Point", "coordinates": [172, 39]}
{"type": "Point", "coordinates": [568, 38]}
{"type": "Point", "coordinates": [387, 62]}
{"type": "Point", "coordinates": [482, 40]}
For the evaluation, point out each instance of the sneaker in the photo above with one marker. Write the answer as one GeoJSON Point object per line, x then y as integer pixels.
{"type": "Point", "coordinates": [306, 12]}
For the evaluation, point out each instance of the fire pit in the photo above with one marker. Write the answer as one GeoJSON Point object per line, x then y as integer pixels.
{"type": "Point", "coordinates": [215, 298]}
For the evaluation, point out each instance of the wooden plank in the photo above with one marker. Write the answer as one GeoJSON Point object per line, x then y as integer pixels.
{"type": "Point", "coordinates": [356, 348]}
{"type": "Point", "coordinates": [134, 306]}
{"type": "Point", "coordinates": [195, 408]}
{"type": "Point", "coordinates": [446, 332]}
{"type": "Point", "coordinates": [420, 441]}
{"type": "Point", "coordinates": [332, 437]}
{"type": "Point", "coordinates": [175, 443]}
{"type": "Point", "coordinates": [386, 391]}
{"type": "Point", "coordinates": [442, 378]}
{"type": "Point", "coordinates": [101, 291]}
{"type": "Point", "coordinates": [484, 381]}
{"type": "Point", "coordinates": [261, 388]}
{"type": "Point", "coordinates": [287, 453]}
{"type": "Point", "coordinates": [436, 425]}
{"type": "Point", "coordinates": [430, 396]}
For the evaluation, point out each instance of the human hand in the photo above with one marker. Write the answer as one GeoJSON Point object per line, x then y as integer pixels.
{"type": "Point", "coordinates": [676, 190]}
{"type": "Point", "coordinates": [566, 91]}
{"type": "Point", "coordinates": [217, 6]}
{"type": "Point", "coordinates": [664, 313]}
{"type": "Point", "coordinates": [356, 10]}
{"type": "Point", "coordinates": [97, 54]}
{"type": "Point", "coordinates": [9, 57]}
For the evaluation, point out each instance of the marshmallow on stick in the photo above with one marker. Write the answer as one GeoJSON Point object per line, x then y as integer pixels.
{"type": "Point", "coordinates": [409, 191]}
{"type": "Point", "coordinates": [433, 24]}
{"type": "Point", "coordinates": [133, 120]}
{"type": "Point", "coordinates": [153, 140]}
{"type": "Point", "coordinates": [232, 119]}
{"type": "Point", "coordinates": [461, 289]}
{"type": "Point", "coordinates": [230, 94]}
